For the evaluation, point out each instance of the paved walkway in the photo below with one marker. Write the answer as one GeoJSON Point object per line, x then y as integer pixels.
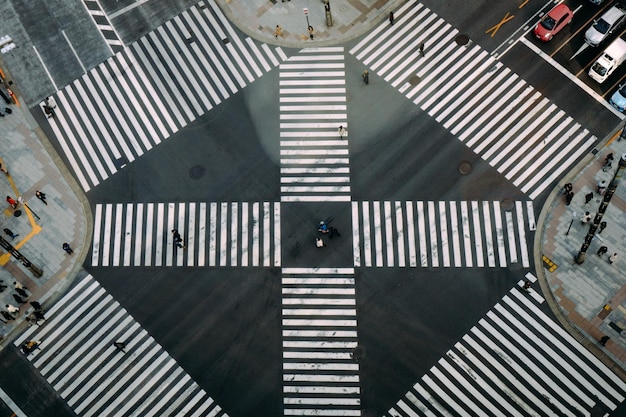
{"type": "Point", "coordinates": [590, 297]}
{"type": "Point", "coordinates": [41, 229]}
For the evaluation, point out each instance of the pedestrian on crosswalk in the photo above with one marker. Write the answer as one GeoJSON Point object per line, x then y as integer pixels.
{"type": "Point", "coordinates": [602, 250]}
{"type": "Point", "coordinates": [10, 233]}
{"type": "Point", "coordinates": [601, 227]}
{"type": "Point", "coordinates": [41, 196]}
{"type": "Point", "coordinates": [67, 248]}
{"type": "Point", "coordinates": [30, 345]}
{"type": "Point", "coordinates": [178, 239]}
{"type": "Point", "coordinates": [120, 346]}
{"type": "Point", "coordinates": [391, 17]}
{"type": "Point", "coordinates": [366, 77]}
{"type": "Point", "coordinates": [279, 32]}
{"type": "Point", "coordinates": [319, 242]}
{"type": "Point", "coordinates": [342, 131]}
{"type": "Point", "coordinates": [568, 197]}
{"type": "Point", "coordinates": [588, 197]}
{"type": "Point", "coordinates": [421, 49]}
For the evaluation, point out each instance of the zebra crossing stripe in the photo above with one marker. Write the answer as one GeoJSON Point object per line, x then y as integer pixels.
{"type": "Point", "coordinates": [139, 234]}
{"type": "Point", "coordinates": [496, 114]}
{"type": "Point", "coordinates": [102, 22]}
{"type": "Point", "coordinates": [436, 234]}
{"type": "Point", "coordinates": [320, 374]}
{"type": "Point", "coordinates": [78, 360]}
{"type": "Point", "coordinates": [143, 107]}
{"type": "Point", "coordinates": [516, 361]}
{"type": "Point", "coordinates": [312, 107]}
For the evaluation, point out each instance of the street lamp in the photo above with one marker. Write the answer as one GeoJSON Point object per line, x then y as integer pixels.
{"type": "Point", "coordinates": [602, 209]}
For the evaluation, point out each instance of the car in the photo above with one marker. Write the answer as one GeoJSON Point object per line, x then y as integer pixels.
{"type": "Point", "coordinates": [596, 2]}
{"type": "Point", "coordinates": [618, 100]}
{"type": "Point", "coordinates": [608, 23]}
{"type": "Point", "coordinates": [553, 21]}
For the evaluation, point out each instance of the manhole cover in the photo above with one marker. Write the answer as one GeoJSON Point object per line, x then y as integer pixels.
{"type": "Point", "coordinates": [462, 40]}
{"type": "Point", "coordinates": [465, 167]}
{"type": "Point", "coordinates": [414, 80]}
{"type": "Point", "coordinates": [17, 213]}
{"type": "Point", "coordinates": [507, 204]}
{"type": "Point", "coordinates": [196, 172]}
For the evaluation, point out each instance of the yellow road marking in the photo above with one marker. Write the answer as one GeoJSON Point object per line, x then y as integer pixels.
{"type": "Point", "coordinates": [495, 28]}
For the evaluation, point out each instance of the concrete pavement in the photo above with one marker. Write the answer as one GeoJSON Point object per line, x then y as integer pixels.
{"type": "Point", "coordinates": [41, 229]}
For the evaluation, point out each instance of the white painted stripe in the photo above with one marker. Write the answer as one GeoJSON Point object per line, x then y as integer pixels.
{"type": "Point", "coordinates": [277, 235]}
{"type": "Point", "coordinates": [137, 245]}
{"type": "Point", "coordinates": [149, 228]}
{"type": "Point", "coordinates": [106, 250]}
{"type": "Point", "coordinates": [212, 234]}
{"type": "Point", "coordinates": [158, 238]}
{"type": "Point", "coordinates": [497, 216]}
{"type": "Point", "coordinates": [445, 245]}
{"type": "Point", "coordinates": [511, 237]}
{"type": "Point", "coordinates": [378, 236]}
{"type": "Point", "coordinates": [432, 400]}
{"type": "Point", "coordinates": [488, 234]}
{"type": "Point", "coordinates": [191, 233]}
{"type": "Point", "coordinates": [234, 233]}
{"type": "Point", "coordinates": [422, 234]}
{"type": "Point", "coordinates": [367, 236]}
{"type": "Point", "coordinates": [128, 234]}
{"type": "Point", "coordinates": [434, 245]}
{"type": "Point", "coordinates": [95, 251]}
{"type": "Point", "coordinates": [117, 234]}
{"type": "Point", "coordinates": [456, 244]}
{"type": "Point", "coordinates": [400, 234]}
{"type": "Point", "coordinates": [467, 241]}
{"type": "Point", "coordinates": [410, 225]}
{"type": "Point", "coordinates": [478, 240]}
{"type": "Point", "coordinates": [388, 232]}
{"type": "Point", "coordinates": [223, 226]}
{"type": "Point", "coordinates": [318, 323]}
{"type": "Point", "coordinates": [356, 242]}
{"type": "Point", "coordinates": [255, 234]}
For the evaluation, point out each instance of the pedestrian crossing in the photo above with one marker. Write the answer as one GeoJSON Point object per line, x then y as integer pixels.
{"type": "Point", "coordinates": [152, 89]}
{"type": "Point", "coordinates": [214, 234]}
{"type": "Point", "coordinates": [320, 346]}
{"type": "Point", "coordinates": [484, 104]}
{"type": "Point", "coordinates": [77, 358]}
{"type": "Point", "coordinates": [314, 156]}
{"type": "Point", "coordinates": [102, 22]}
{"type": "Point", "coordinates": [441, 233]}
{"type": "Point", "coordinates": [518, 362]}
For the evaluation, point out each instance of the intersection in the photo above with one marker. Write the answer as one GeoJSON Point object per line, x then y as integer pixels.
{"type": "Point", "coordinates": [453, 226]}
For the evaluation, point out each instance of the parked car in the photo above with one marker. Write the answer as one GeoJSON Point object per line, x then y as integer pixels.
{"type": "Point", "coordinates": [618, 100]}
{"type": "Point", "coordinates": [553, 21]}
{"type": "Point", "coordinates": [608, 23]}
{"type": "Point", "coordinates": [597, 1]}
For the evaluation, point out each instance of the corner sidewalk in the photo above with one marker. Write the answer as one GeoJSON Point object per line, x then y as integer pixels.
{"type": "Point", "coordinates": [589, 299]}
{"type": "Point", "coordinates": [33, 164]}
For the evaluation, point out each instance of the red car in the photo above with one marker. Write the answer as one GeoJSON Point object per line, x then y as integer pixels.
{"type": "Point", "coordinates": [553, 21]}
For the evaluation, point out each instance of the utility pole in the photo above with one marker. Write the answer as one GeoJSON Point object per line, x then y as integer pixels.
{"type": "Point", "coordinates": [580, 258]}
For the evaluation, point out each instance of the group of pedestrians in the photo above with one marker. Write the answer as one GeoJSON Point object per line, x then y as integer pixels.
{"type": "Point", "coordinates": [20, 296]}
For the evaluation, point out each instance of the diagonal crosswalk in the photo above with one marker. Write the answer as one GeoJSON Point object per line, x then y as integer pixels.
{"type": "Point", "coordinates": [214, 234]}
{"type": "Point", "coordinates": [441, 233]}
{"type": "Point", "coordinates": [516, 361]}
{"type": "Point", "coordinates": [492, 110]}
{"type": "Point", "coordinates": [314, 157]}
{"type": "Point", "coordinates": [77, 358]}
{"type": "Point", "coordinates": [320, 363]}
{"type": "Point", "coordinates": [158, 85]}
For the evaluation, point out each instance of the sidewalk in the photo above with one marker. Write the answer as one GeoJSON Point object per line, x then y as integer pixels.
{"type": "Point", "coordinates": [590, 298]}
{"type": "Point", "coordinates": [350, 19]}
{"type": "Point", "coordinates": [42, 229]}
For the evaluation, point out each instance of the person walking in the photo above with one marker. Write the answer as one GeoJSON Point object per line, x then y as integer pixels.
{"type": "Point", "coordinates": [366, 77]}
{"type": "Point", "coordinates": [178, 239]}
{"type": "Point", "coordinates": [585, 218]}
{"type": "Point", "coordinates": [601, 187]}
{"type": "Point", "coordinates": [604, 339]}
{"type": "Point", "coordinates": [41, 196]}
{"type": "Point", "coordinates": [421, 49]}
{"type": "Point", "coordinates": [319, 242]}
{"type": "Point", "coordinates": [602, 250]}
{"type": "Point", "coordinates": [67, 248]}
{"type": "Point", "coordinates": [323, 227]}
{"type": "Point", "coordinates": [569, 197]}
{"type": "Point", "coordinates": [588, 197]}
{"type": "Point", "coordinates": [21, 292]}
{"type": "Point", "coordinates": [30, 345]}
{"type": "Point", "coordinates": [613, 258]}
{"type": "Point", "coordinates": [279, 32]}
{"type": "Point", "coordinates": [10, 233]}
{"type": "Point", "coordinates": [311, 32]}
{"type": "Point", "coordinates": [12, 309]}
{"type": "Point", "coordinates": [11, 202]}
{"type": "Point", "coordinates": [608, 161]}
{"type": "Point", "coordinates": [601, 227]}
{"type": "Point", "coordinates": [391, 17]}
{"type": "Point", "coordinates": [568, 187]}
{"type": "Point", "coordinates": [3, 169]}
{"type": "Point", "coordinates": [342, 131]}
{"type": "Point", "coordinates": [332, 231]}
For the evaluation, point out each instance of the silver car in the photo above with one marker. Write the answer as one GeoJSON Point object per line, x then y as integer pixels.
{"type": "Point", "coordinates": [611, 20]}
